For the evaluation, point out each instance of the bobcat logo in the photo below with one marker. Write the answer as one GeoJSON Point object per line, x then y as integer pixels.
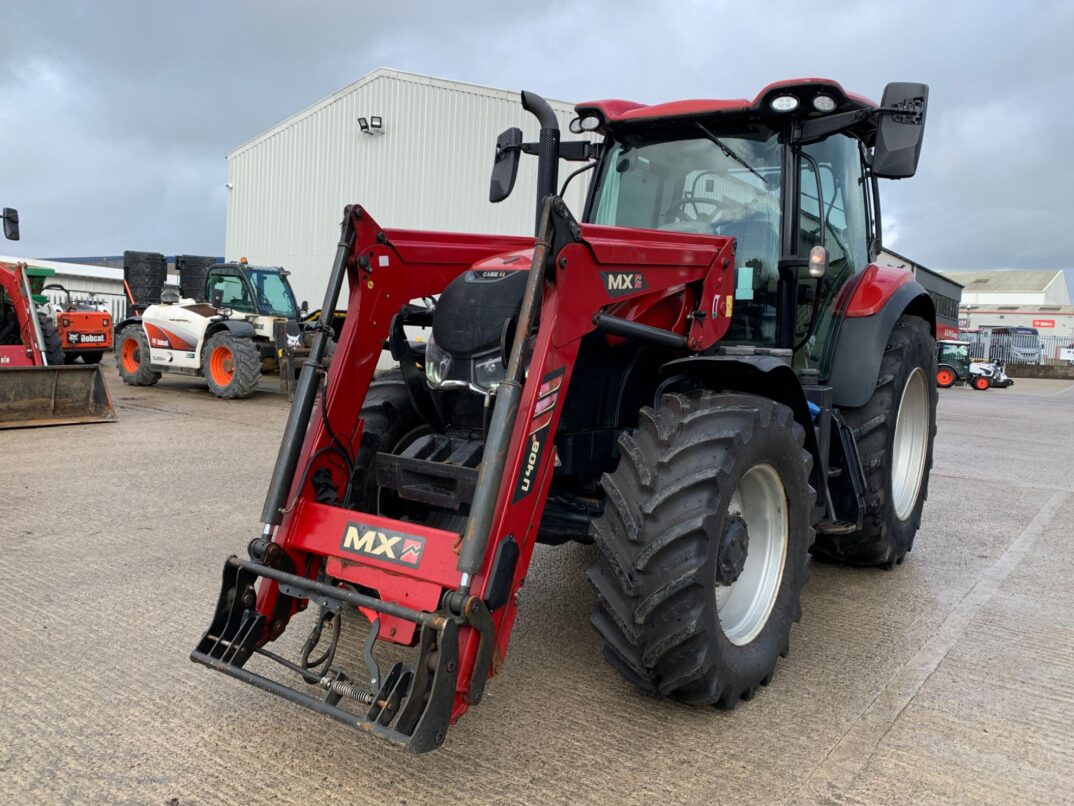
{"type": "Point", "coordinates": [400, 549]}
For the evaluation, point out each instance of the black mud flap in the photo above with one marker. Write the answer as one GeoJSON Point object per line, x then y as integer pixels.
{"type": "Point", "coordinates": [411, 706]}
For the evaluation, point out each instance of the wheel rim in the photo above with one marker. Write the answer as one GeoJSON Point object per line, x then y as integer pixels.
{"type": "Point", "coordinates": [222, 366]}
{"type": "Point", "coordinates": [944, 377]}
{"type": "Point", "coordinates": [980, 383]}
{"type": "Point", "coordinates": [744, 606]}
{"type": "Point", "coordinates": [910, 444]}
{"type": "Point", "coordinates": [132, 356]}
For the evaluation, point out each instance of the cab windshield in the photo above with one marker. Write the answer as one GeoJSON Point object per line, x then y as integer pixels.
{"type": "Point", "coordinates": [726, 184]}
{"type": "Point", "coordinates": [274, 297]}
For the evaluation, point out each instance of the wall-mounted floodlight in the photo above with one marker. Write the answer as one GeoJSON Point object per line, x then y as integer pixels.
{"type": "Point", "coordinates": [373, 126]}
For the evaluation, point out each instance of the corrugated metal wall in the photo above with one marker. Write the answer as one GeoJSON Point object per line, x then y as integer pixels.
{"type": "Point", "coordinates": [429, 170]}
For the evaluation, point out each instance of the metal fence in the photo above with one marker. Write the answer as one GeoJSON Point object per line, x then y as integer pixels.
{"type": "Point", "coordinates": [1021, 348]}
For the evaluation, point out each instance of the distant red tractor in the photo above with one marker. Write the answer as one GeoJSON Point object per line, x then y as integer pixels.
{"type": "Point", "coordinates": [35, 388]}
{"type": "Point", "coordinates": [706, 374]}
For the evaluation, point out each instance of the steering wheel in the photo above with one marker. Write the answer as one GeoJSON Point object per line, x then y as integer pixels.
{"type": "Point", "coordinates": [678, 209]}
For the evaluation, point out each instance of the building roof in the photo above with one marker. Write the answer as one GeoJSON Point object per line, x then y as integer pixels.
{"type": "Point", "coordinates": [1059, 310]}
{"type": "Point", "coordinates": [389, 73]}
{"type": "Point", "coordinates": [1005, 280]}
{"type": "Point", "coordinates": [68, 268]}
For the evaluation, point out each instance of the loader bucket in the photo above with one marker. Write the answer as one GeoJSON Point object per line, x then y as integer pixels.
{"type": "Point", "coordinates": [68, 395]}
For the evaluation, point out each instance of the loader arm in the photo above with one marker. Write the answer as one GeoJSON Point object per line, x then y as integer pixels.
{"type": "Point", "coordinates": [415, 579]}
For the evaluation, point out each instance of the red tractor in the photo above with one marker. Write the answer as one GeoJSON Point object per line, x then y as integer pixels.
{"type": "Point", "coordinates": [35, 388]}
{"type": "Point", "coordinates": [706, 375]}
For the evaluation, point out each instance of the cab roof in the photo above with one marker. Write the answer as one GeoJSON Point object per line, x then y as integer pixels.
{"type": "Point", "coordinates": [616, 114]}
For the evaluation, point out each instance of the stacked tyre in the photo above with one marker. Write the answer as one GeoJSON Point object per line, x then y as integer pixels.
{"type": "Point", "coordinates": [144, 273]}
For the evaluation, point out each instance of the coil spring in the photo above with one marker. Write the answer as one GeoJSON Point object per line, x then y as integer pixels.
{"type": "Point", "coordinates": [344, 688]}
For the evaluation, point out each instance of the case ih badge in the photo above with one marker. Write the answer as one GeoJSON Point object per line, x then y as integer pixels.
{"type": "Point", "coordinates": [619, 283]}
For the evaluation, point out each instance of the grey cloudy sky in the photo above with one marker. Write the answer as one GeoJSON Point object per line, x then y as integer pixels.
{"type": "Point", "coordinates": [115, 117]}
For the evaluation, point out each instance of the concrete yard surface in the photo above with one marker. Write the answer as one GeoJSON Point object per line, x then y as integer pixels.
{"type": "Point", "coordinates": [947, 680]}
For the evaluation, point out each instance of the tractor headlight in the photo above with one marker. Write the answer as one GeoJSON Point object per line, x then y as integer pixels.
{"type": "Point", "coordinates": [784, 103]}
{"type": "Point", "coordinates": [437, 363]}
{"type": "Point", "coordinates": [824, 103]}
{"type": "Point", "coordinates": [489, 370]}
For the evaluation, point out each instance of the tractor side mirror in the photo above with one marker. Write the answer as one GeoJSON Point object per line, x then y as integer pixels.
{"type": "Point", "coordinates": [505, 164]}
{"type": "Point", "coordinates": [11, 223]}
{"type": "Point", "coordinates": [900, 130]}
{"type": "Point", "coordinates": [218, 298]}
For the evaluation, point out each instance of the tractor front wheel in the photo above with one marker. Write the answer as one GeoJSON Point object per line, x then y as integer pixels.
{"type": "Point", "coordinates": [231, 365]}
{"type": "Point", "coordinates": [132, 357]}
{"type": "Point", "coordinates": [894, 431]}
{"type": "Point", "coordinates": [981, 383]}
{"type": "Point", "coordinates": [704, 545]}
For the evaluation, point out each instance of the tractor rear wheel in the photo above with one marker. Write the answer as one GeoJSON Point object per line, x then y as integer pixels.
{"type": "Point", "coordinates": [945, 378]}
{"type": "Point", "coordinates": [231, 365]}
{"type": "Point", "coordinates": [53, 346]}
{"type": "Point", "coordinates": [894, 431]}
{"type": "Point", "coordinates": [704, 546]}
{"type": "Point", "coordinates": [92, 357]}
{"type": "Point", "coordinates": [132, 357]}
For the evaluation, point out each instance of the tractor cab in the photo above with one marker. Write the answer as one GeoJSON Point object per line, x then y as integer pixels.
{"type": "Point", "coordinates": [791, 176]}
{"type": "Point", "coordinates": [953, 356]}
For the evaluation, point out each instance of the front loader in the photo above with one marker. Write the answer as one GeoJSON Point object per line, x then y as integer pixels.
{"type": "Point", "coordinates": [707, 375]}
{"type": "Point", "coordinates": [36, 389]}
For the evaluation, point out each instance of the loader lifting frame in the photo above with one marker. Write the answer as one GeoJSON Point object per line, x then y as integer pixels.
{"type": "Point", "coordinates": [453, 585]}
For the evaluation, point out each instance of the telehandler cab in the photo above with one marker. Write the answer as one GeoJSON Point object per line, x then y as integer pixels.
{"type": "Point", "coordinates": [703, 375]}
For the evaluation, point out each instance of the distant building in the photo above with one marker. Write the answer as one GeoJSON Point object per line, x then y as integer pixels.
{"type": "Point", "coordinates": [1009, 287]}
{"type": "Point", "coordinates": [1008, 298]}
{"type": "Point", "coordinates": [84, 281]}
{"type": "Point", "coordinates": [415, 151]}
{"type": "Point", "coordinates": [946, 293]}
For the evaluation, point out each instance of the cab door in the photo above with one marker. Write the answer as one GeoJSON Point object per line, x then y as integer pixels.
{"type": "Point", "coordinates": [227, 288]}
{"type": "Point", "coordinates": [833, 213]}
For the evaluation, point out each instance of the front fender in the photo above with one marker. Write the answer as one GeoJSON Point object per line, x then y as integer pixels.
{"type": "Point", "coordinates": [127, 322]}
{"type": "Point", "coordinates": [238, 327]}
{"type": "Point", "coordinates": [862, 339]}
{"type": "Point", "coordinates": [763, 375]}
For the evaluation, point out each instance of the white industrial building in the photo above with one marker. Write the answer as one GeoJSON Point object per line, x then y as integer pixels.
{"type": "Point", "coordinates": [1009, 287]}
{"type": "Point", "coordinates": [84, 281]}
{"type": "Point", "coordinates": [1008, 298]}
{"type": "Point", "coordinates": [426, 166]}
